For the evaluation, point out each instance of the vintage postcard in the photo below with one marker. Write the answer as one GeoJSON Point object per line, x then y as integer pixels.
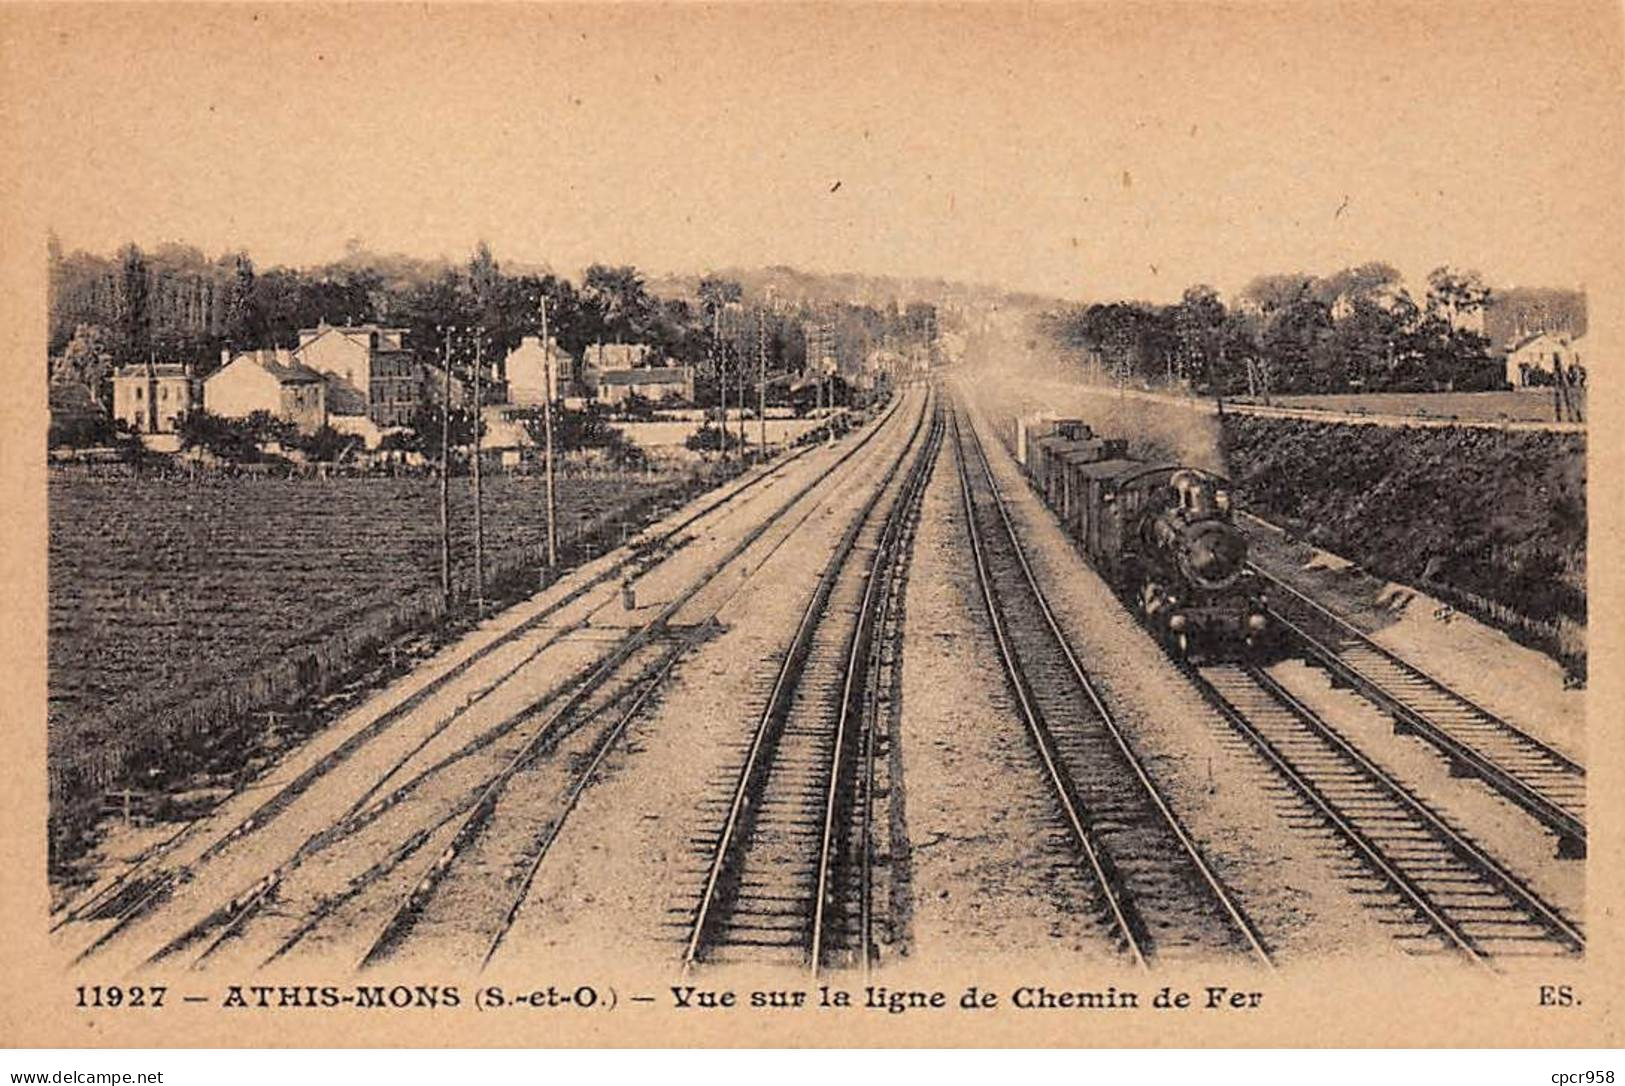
{"type": "Point", "coordinates": [819, 525]}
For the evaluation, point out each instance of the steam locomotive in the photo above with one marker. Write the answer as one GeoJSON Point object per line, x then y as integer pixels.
{"type": "Point", "coordinates": [1160, 534]}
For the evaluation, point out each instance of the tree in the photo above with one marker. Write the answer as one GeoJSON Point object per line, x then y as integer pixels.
{"type": "Point", "coordinates": [617, 304]}
{"type": "Point", "coordinates": [88, 359]}
{"type": "Point", "coordinates": [426, 426]}
{"type": "Point", "coordinates": [1270, 293]}
{"type": "Point", "coordinates": [1456, 296]}
{"type": "Point", "coordinates": [484, 278]}
{"type": "Point", "coordinates": [1352, 285]}
{"type": "Point", "coordinates": [1458, 352]}
{"type": "Point", "coordinates": [325, 445]}
{"type": "Point", "coordinates": [237, 440]}
{"type": "Point", "coordinates": [1197, 324]}
{"type": "Point", "coordinates": [133, 329]}
{"type": "Point", "coordinates": [716, 292]}
{"type": "Point", "coordinates": [243, 327]}
{"type": "Point", "coordinates": [1295, 346]}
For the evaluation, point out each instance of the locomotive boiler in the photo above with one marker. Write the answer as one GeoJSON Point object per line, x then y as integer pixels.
{"type": "Point", "coordinates": [1161, 534]}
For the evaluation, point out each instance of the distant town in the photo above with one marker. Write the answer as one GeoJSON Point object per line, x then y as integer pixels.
{"type": "Point", "coordinates": [363, 364]}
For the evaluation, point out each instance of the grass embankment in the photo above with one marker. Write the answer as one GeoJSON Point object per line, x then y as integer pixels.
{"type": "Point", "coordinates": [1493, 523]}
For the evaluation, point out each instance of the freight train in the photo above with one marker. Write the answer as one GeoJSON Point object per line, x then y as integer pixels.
{"type": "Point", "coordinates": [1160, 534]}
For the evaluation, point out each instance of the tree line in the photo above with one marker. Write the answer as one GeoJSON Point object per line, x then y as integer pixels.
{"type": "Point", "coordinates": [175, 304]}
{"type": "Point", "coordinates": [1359, 329]}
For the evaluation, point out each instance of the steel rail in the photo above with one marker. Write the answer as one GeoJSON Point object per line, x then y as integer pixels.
{"type": "Point", "coordinates": [236, 911]}
{"type": "Point", "coordinates": [1465, 850]}
{"type": "Point", "coordinates": [872, 696]}
{"type": "Point", "coordinates": [76, 910]}
{"type": "Point", "coordinates": [853, 690]}
{"type": "Point", "coordinates": [421, 837]}
{"type": "Point", "coordinates": [473, 824]}
{"type": "Point", "coordinates": [1570, 828]}
{"type": "Point", "coordinates": [1231, 908]}
{"type": "Point", "coordinates": [1059, 779]}
{"type": "Point", "coordinates": [418, 839]}
{"type": "Point", "coordinates": [1366, 641]}
{"type": "Point", "coordinates": [764, 735]}
{"type": "Point", "coordinates": [605, 744]}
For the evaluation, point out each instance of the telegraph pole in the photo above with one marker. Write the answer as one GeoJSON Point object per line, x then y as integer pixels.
{"type": "Point", "coordinates": [547, 424]}
{"type": "Point", "coordinates": [479, 521]}
{"type": "Point", "coordinates": [722, 374]}
{"type": "Point", "coordinates": [740, 372]}
{"type": "Point", "coordinates": [761, 382]}
{"type": "Point", "coordinates": [827, 338]}
{"type": "Point", "coordinates": [815, 362]}
{"type": "Point", "coordinates": [445, 473]}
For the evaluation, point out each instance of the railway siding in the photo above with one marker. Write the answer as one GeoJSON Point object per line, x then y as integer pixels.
{"type": "Point", "coordinates": [1465, 899]}
{"type": "Point", "coordinates": [214, 848]}
{"type": "Point", "coordinates": [1543, 781]}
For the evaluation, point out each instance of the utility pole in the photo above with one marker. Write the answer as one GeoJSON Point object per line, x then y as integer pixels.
{"type": "Point", "coordinates": [761, 383]}
{"type": "Point", "coordinates": [739, 372]}
{"type": "Point", "coordinates": [722, 374]}
{"type": "Point", "coordinates": [445, 472]}
{"type": "Point", "coordinates": [826, 373]}
{"type": "Point", "coordinates": [479, 521]}
{"type": "Point", "coordinates": [547, 424]}
{"type": "Point", "coordinates": [815, 359]}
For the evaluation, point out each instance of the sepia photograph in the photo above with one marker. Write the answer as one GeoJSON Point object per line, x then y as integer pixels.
{"type": "Point", "coordinates": [816, 525]}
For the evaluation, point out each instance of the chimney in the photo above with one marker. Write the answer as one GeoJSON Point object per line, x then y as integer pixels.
{"type": "Point", "coordinates": [225, 355]}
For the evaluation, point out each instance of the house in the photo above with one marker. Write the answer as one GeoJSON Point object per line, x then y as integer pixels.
{"type": "Point", "coordinates": [536, 372]}
{"type": "Point", "coordinates": [608, 357]}
{"type": "Point", "coordinates": [505, 442]}
{"type": "Point", "coordinates": [368, 368]}
{"type": "Point", "coordinates": [1540, 353]}
{"type": "Point", "coordinates": [270, 381]}
{"type": "Point", "coordinates": [654, 383]}
{"type": "Point", "coordinates": [152, 396]}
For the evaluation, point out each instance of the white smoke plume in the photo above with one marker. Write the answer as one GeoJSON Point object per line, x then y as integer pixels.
{"type": "Point", "coordinates": [1011, 368]}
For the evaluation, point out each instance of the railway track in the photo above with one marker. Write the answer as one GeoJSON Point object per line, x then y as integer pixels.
{"type": "Point", "coordinates": [1459, 898]}
{"type": "Point", "coordinates": [1155, 894]}
{"type": "Point", "coordinates": [515, 828]}
{"type": "Point", "coordinates": [1541, 780]}
{"type": "Point", "coordinates": [788, 875]}
{"type": "Point", "coordinates": [515, 741]}
{"type": "Point", "coordinates": [131, 891]}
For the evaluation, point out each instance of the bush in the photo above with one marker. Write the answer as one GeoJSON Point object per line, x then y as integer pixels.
{"type": "Point", "coordinates": [237, 440]}
{"type": "Point", "coordinates": [574, 431]}
{"type": "Point", "coordinates": [87, 431]}
{"type": "Point", "coordinates": [326, 445]}
{"type": "Point", "coordinates": [710, 438]}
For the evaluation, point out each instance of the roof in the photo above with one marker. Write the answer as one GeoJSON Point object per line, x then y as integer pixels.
{"type": "Point", "coordinates": [295, 374]}
{"type": "Point", "coordinates": [353, 329]}
{"type": "Point", "coordinates": [623, 354]}
{"type": "Point", "coordinates": [286, 372]}
{"type": "Point", "coordinates": [506, 434]}
{"type": "Point", "coordinates": [1086, 452]}
{"type": "Point", "coordinates": [1561, 337]}
{"type": "Point", "coordinates": [160, 369]}
{"type": "Point", "coordinates": [1122, 470]}
{"type": "Point", "coordinates": [663, 375]}
{"type": "Point", "coordinates": [1056, 445]}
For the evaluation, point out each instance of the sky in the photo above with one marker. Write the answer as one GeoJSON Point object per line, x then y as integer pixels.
{"type": "Point", "coordinates": [1104, 151]}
